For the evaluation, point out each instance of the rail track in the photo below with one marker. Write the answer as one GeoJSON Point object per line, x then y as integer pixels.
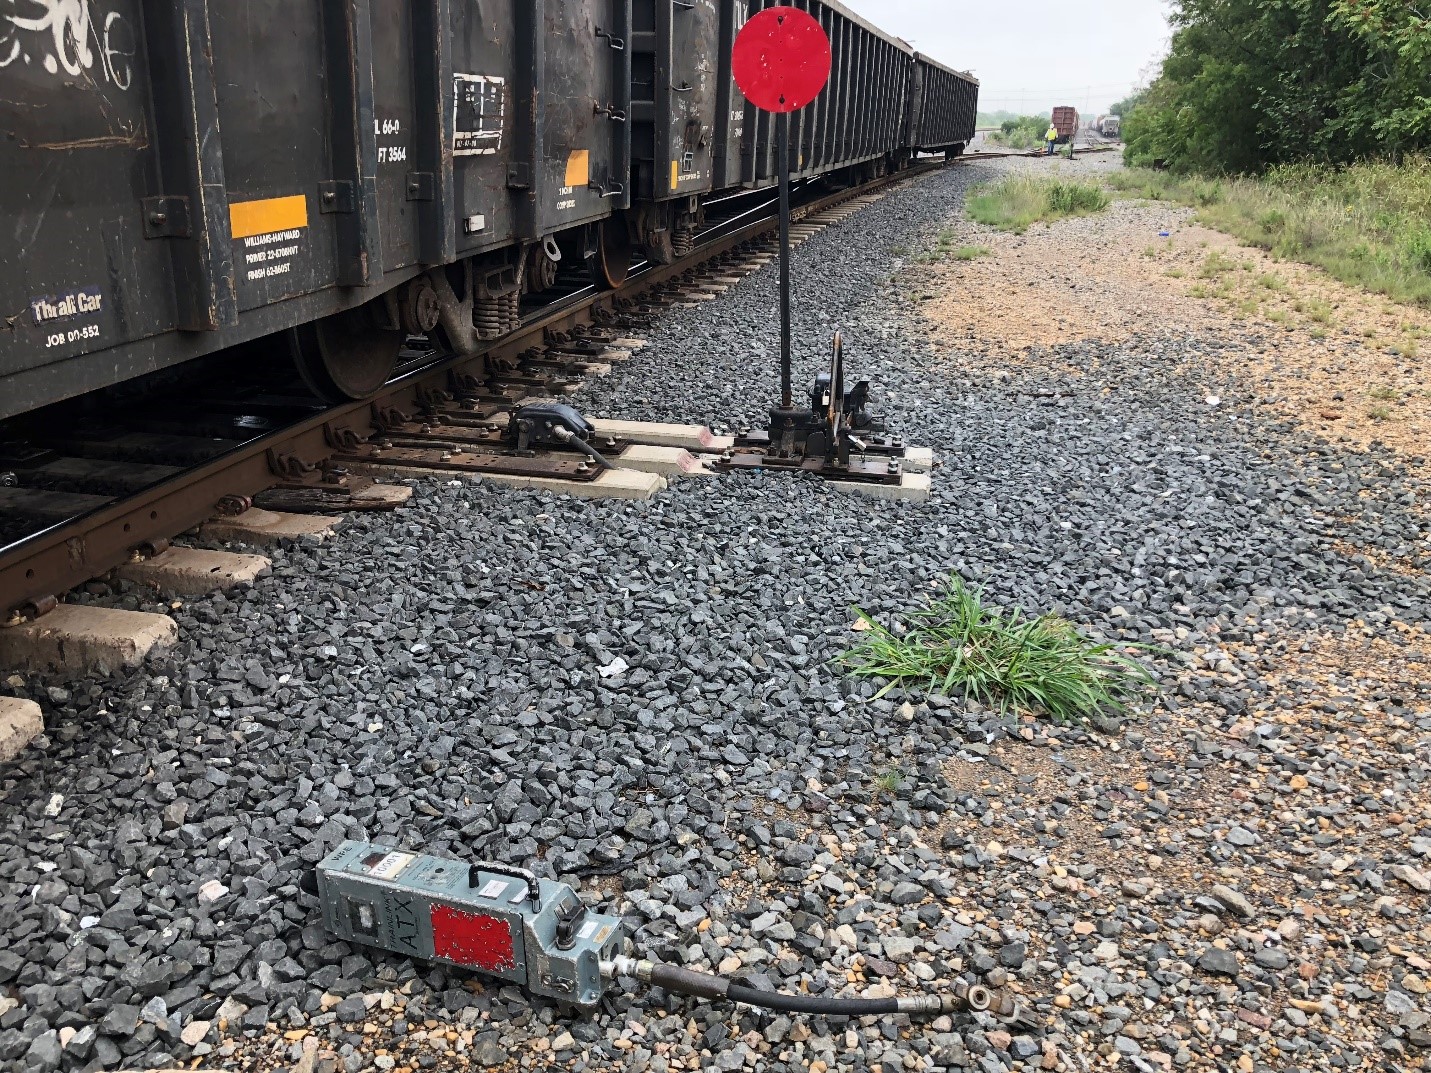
{"type": "Point", "coordinates": [123, 479]}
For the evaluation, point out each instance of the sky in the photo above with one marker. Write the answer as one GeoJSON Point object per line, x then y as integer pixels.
{"type": "Point", "coordinates": [1030, 55]}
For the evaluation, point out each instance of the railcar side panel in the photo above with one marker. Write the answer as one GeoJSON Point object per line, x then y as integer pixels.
{"type": "Point", "coordinates": [857, 119]}
{"type": "Point", "coordinates": [676, 95]}
{"type": "Point", "coordinates": [731, 115]}
{"type": "Point", "coordinates": [83, 148]}
{"type": "Point", "coordinates": [943, 107]}
{"type": "Point", "coordinates": [191, 175]}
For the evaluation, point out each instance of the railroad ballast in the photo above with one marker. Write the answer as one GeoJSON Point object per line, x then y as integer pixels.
{"type": "Point", "coordinates": [339, 176]}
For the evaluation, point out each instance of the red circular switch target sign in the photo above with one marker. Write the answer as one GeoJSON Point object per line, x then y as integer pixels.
{"type": "Point", "coordinates": [781, 60]}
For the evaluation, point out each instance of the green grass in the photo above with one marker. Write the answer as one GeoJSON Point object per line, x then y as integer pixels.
{"type": "Point", "coordinates": [946, 249]}
{"type": "Point", "coordinates": [1217, 265]}
{"type": "Point", "coordinates": [1368, 224]}
{"type": "Point", "coordinates": [1003, 659]}
{"type": "Point", "coordinates": [1019, 201]}
{"type": "Point", "coordinates": [889, 781]}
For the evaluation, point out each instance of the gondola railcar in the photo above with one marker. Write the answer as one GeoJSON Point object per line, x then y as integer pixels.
{"type": "Point", "coordinates": [334, 176]}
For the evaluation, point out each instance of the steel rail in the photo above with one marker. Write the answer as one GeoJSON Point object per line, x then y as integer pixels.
{"type": "Point", "coordinates": [51, 562]}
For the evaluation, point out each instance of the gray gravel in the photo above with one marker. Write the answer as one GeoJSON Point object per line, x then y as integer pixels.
{"type": "Point", "coordinates": [1168, 891]}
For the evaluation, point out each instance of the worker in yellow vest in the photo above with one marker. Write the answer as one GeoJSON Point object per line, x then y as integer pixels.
{"type": "Point", "coordinates": [1051, 137]}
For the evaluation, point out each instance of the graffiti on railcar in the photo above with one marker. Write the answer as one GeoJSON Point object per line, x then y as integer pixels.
{"type": "Point", "coordinates": [69, 38]}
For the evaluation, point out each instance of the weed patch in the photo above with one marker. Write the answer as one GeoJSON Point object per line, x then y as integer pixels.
{"type": "Point", "coordinates": [1003, 659]}
{"type": "Point", "coordinates": [1019, 201]}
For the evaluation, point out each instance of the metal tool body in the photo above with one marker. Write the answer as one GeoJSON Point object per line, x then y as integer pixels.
{"type": "Point", "coordinates": [496, 920]}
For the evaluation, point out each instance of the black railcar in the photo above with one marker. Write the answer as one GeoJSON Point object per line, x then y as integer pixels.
{"type": "Point", "coordinates": [943, 108]}
{"type": "Point", "coordinates": [185, 176]}
{"type": "Point", "coordinates": [859, 121]}
{"type": "Point", "coordinates": [335, 175]}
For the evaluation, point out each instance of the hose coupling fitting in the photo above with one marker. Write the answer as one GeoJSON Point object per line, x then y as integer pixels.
{"type": "Point", "coordinates": [621, 965]}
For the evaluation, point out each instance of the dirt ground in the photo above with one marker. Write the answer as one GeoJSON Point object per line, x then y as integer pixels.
{"type": "Point", "coordinates": [1348, 365]}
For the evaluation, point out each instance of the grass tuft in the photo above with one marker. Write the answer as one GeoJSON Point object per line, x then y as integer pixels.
{"type": "Point", "coordinates": [1002, 659]}
{"type": "Point", "coordinates": [889, 781]}
{"type": "Point", "coordinates": [1217, 264]}
{"type": "Point", "coordinates": [1019, 201]}
{"type": "Point", "coordinates": [970, 253]}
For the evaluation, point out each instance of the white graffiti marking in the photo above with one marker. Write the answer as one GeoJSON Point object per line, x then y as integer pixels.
{"type": "Point", "coordinates": [77, 38]}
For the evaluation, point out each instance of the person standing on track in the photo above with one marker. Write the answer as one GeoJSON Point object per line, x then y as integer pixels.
{"type": "Point", "coordinates": [1051, 137]}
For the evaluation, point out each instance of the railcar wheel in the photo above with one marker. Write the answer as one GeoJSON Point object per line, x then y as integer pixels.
{"type": "Point", "coordinates": [612, 263]}
{"type": "Point", "coordinates": [345, 356]}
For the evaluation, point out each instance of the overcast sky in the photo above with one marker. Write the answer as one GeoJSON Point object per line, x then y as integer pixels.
{"type": "Point", "coordinates": [1030, 55]}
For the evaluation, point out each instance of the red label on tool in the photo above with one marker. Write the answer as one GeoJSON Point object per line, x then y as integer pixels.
{"type": "Point", "coordinates": [781, 60]}
{"type": "Point", "coordinates": [475, 940]}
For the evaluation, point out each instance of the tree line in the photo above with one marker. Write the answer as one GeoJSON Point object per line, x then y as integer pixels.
{"type": "Point", "coordinates": [1250, 84]}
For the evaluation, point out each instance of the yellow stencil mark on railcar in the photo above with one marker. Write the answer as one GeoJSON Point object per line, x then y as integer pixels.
{"type": "Point", "coordinates": [578, 168]}
{"type": "Point", "coordinates": [250, 218]}
{"type": "Point", "coordinates": [675, 174]}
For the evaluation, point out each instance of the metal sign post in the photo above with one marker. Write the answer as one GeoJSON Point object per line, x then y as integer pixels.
{"type": "Point", "coordinates": [782, 135]}
{"type": "Point", "coordinates": [782, 62]}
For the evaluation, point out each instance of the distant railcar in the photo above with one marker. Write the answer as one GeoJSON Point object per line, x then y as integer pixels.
{"type": "Point", "coordinates": [1065, 121]}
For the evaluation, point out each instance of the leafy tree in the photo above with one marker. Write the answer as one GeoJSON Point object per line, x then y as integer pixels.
{"type": "Point", "coordinates": [1252, 83]}
{"type": "Point", "coordinates": [1128, 104]}
{"type": "Point", "coordinates": [1398, 37]}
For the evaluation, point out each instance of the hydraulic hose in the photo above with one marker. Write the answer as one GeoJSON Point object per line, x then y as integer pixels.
{"type": "Point", "coordinates": [965, 997]}
{"type": "Point", "coordinates": [571, 439]}
{"type": "Point", "coordinates": [847, 1007]}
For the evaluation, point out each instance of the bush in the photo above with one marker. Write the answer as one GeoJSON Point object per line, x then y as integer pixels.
{"type": "Point", "coordinates": [1070, 199]}
{"type": "Point", "coordinates": [1025, 132]}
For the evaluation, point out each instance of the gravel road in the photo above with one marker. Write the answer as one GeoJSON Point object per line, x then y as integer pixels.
{"type": "Point", "coordinates": [1236, 878]}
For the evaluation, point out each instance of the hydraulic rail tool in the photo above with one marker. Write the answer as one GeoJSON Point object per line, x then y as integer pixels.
{"type": "Point", "coordinates": [538, 934]}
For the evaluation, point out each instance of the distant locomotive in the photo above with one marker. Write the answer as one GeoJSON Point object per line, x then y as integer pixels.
{"type": "Point", "coordinates": [1110, 126]}
{"type": "Point", "coordinates": [333, 177]}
